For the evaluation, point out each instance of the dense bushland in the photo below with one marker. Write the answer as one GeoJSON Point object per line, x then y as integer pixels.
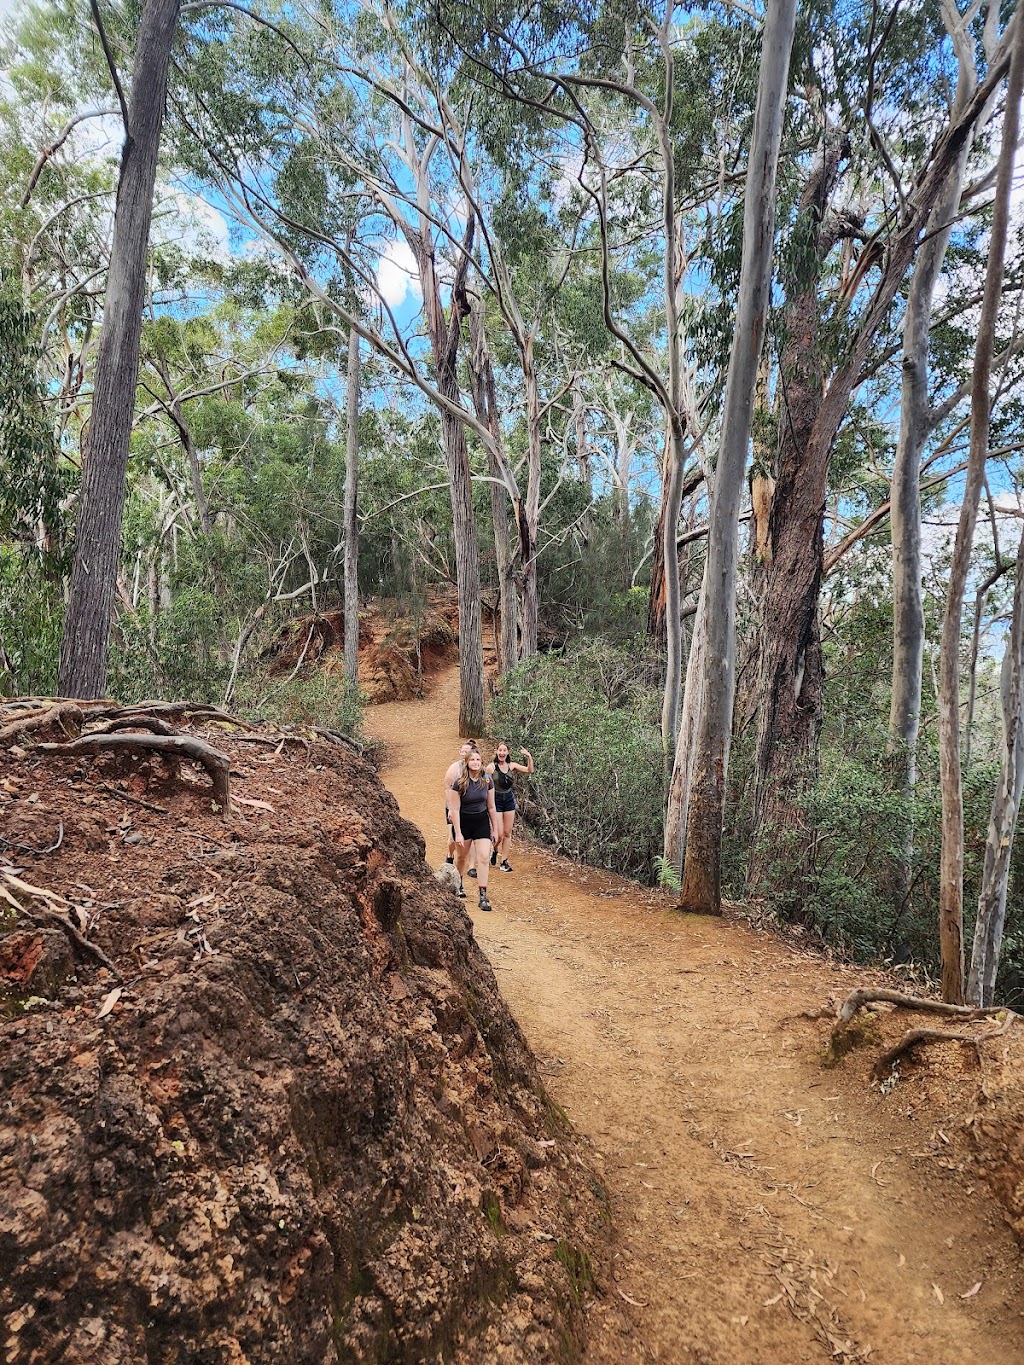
{"type": "Point", "coordinates": [590, 715]}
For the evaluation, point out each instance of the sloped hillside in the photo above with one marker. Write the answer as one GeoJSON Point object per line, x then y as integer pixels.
{"type": "Point", "coordinates": [291, 1117]}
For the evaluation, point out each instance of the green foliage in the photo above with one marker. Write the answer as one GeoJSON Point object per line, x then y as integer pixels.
{"type": "Point", "coordinates": [591, 721]}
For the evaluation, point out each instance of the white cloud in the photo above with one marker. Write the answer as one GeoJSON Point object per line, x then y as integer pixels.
{"type": "Point", "coordinates": [397, 276]}
{"type": "Point", "coordinates": [192, 224]}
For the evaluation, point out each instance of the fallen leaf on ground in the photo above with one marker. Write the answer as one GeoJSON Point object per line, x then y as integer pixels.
{"type": "Point", "coordinates": [109, 1001]}
{"type": "Point", "coordinates": [970, 1293]}
{"type": "Point", "coordinates": [938, 1293]}
{"type": "Point", "coordinates": [635, 1302]}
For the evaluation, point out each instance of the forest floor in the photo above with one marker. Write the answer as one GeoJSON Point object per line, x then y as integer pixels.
{"type": "Point", "coordinates": [768, 1208]}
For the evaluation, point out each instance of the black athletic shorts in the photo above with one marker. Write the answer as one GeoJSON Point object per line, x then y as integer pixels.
{"type": "Point", "coordinates": [475, 825]}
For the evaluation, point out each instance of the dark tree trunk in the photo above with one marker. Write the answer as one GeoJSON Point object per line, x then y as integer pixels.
{"type": "Point", "coordinates": [791, 669]}
{"type": "Point", "coordinates": [85, 644]}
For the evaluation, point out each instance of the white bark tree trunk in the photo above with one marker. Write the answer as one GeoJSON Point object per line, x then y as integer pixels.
{"type": "Point", "coordinates": [1002, 826]}
{"type": "Point", "coordinates": [351, 525]}
{"type": "Point", "coordinates": [951, 863]}
{"type": "Point", "coordinates": [701, 889]}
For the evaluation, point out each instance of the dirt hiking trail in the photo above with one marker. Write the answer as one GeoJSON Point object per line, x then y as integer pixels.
{"type": "Point", "coordinates": [767, 1209]}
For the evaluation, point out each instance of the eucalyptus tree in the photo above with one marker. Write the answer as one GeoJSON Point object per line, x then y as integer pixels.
{"type": "Point", "coordinates": [701, 887]}
{"type": "Point", "coordinates": [952, 857]}
{"type": "Point", "coordinates": [814, 410]}
{"type": "Point", "coordinates": [85, 642]}
{"type": "Point", "coordinates": [333, 186]}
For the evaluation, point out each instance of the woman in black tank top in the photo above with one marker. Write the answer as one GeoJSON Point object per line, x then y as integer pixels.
{"type": "Point", "coordinates": [474, 820]}
{"type": "Point", "coordinates": [505, 798]}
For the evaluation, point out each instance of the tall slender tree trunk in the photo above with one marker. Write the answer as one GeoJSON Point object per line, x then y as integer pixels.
{"type": "Point", "coordinates": [351, 525]}
{"type": "Point", "coordinates": [951, 863]}
{"type": "Point", "coordinates": [531, 511]}
{"type": "Point", "coordinates": [85, 644]}
{"type": "Point", "coordinates": [701, 888]}
{"type": "Point", "coordinates": [485, 403]}
{"type": "Point", "coordinates": [445, 334]}
{"type": "Point", "coordinates": [678, 805]}
{"type": "Point", "coordinates": [1002, 825]}
{"type": "Point", "coordinates": [905, 515]}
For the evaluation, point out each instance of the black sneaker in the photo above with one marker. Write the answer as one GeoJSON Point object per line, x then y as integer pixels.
{"type": "Point", "coordinates": [450, 859]}
{"type": "Point", "coordinates": [494, 856]}
{"type": "Point", "coordinates": [504, 865]}
{"type": "Point", "coordinates": [471, 872]}
{"type": "Point", "coordinates": [485, 904]}
{"type": "Point", "coordinates": [461, 893]}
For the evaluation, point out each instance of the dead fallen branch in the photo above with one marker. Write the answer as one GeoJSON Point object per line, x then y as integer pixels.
{"type": "Point", "coordinates": [136, 800]}
{"type": "Point", "coordinates": [180, 746]}
{"type": "Point", "coordinates": [66, 714]}
{"type": "Point", "coordinates": [916, 1037]}
{"type": "Point", "coordinates": [870, 995]}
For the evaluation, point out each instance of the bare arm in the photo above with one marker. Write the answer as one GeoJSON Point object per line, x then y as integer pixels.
{"type": "Point", "coordinates": [492, 814]}
{"type": "Point", "coordinates": [454, 807]}
{"type": "Point", "coordinates": [519, 767]}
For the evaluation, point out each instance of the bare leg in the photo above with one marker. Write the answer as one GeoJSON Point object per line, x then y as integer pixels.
{"type": "Point", "coordinates": [508, 819]}
{"type": "Point", "coordinates": [462, 857]}
{"type": "Point", "coordinates": [482, 854]}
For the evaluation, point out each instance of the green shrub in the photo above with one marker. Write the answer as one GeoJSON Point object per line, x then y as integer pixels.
{"type": "Point", "coordinates": [592, 722]}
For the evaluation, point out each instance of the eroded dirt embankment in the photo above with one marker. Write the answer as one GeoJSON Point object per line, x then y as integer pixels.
{"type": "Point", "coordinates": [306, 1129]}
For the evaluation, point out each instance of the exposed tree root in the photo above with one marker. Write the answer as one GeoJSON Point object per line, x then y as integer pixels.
{"type": "Point", "coordinates": [66, 714]}
{"type": "Point", "coordinates": [869, 995]}
{"type": "Point", "coordinates": [177, 708]}
{"type": "Point", "coordinates": [916, 1036]}
{"type": "Point", "coordinates": [47, 916]}
{"type": "Point", "coordinates": [135, 721]}
{"type": "Point", "coordinates": [183, 746]}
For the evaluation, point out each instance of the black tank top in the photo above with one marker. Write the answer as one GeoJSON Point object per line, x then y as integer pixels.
{"type": "Point", "coordinates": [503, 781]}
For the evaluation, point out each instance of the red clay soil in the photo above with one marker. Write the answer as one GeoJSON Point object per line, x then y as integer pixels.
{"type": "Point", "coordinates": [769, 1208]}
{"type": "Point", "coordinates": [302, 1127]}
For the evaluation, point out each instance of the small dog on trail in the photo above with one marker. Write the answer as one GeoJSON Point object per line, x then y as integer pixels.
{"type": "Point", "coordinates": [448, 876]}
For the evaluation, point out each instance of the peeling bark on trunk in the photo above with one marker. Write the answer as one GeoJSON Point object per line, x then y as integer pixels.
{"type": "Point", "coordinates": [677, 810]}
{"type": "Point", "coordinates": [791, 666]}
{"type": "Point", "coordinates": [351, 524]}
{"type": "Point", "coordinates": [951, 864]}
{"type": "Point", "coordinates": [701, 889]}
{"type": "Point", "coordinates": [85, 644]}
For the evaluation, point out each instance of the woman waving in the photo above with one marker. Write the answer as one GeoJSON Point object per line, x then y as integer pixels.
{"type": "Point", "coordinates": [501, 771]}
